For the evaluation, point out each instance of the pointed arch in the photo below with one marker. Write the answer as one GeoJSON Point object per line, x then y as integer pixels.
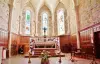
{"type": "Point", "coordinates": [44, 4]}
{"type": "Point", "coordinates": [44, 10]}
{"type": "Point", "coordinates": [30, 26]}
{"type": "Point", "coordinates": [60, 22]}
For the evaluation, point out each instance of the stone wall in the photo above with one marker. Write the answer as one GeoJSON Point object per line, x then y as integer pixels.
{"type": "Point", "coordinates": [4, 14]}
{"type": "Point", "coordinates": [72, 18]}
{"type": "Point", "coordinates": [15, 21]}
{"type": "Point", "coordinates": [89, 12]}
{"type": "Point", "coordinates": [18, 20]}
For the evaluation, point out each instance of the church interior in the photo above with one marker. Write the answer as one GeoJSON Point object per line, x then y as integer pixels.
{"type": "Point", "coordinates": [49, 31]}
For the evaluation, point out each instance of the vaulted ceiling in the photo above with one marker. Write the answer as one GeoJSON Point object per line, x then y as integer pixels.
{"type": "Point", "coordinates": [51, 4]}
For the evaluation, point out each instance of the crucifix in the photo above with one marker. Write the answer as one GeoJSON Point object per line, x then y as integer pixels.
{"type": "Point", "coordinates": [44, 28]}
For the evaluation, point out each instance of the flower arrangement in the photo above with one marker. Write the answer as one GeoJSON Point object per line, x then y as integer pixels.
{"type": "Point", "coordinates": [44, 57]}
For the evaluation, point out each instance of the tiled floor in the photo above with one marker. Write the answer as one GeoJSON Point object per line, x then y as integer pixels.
{"type": "Point", "coordinates": [53, 60]}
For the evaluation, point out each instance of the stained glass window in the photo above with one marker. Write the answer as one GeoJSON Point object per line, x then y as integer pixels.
{"type": "Point", "coordinates": [27, 22]}
{"type": "Point", "coordinates": [44, 23]}
{"type": "Point", "coordinates": [60, 20]}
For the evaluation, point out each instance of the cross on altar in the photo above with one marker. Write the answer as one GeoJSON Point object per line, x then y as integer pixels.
{"type": "Point", "coordinates": [44, 28]}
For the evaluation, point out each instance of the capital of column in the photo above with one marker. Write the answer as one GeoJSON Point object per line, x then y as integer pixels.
{"type": "Point", "coordinates": [10, 4]}
{"type": "Point", "coordinates": [76, 2]}
{"type": "Point", "coordinates": [60, 0]}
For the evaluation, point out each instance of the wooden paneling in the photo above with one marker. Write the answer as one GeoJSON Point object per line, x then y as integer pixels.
{"type": "Point", "coordinates": [25, 41]}
{"type": "Point", "coordinates": [73, 40]}
{"type": "Point", "coordinates": [87, 37]}
{"type": "Point", "coordinates": [65, 41]}
{"type": "Point", "coordinates": [3, 38]}
{"type": "Point", "coordinates": [15, 40]}
{"type": "Point", "coordinates": [86, 34]}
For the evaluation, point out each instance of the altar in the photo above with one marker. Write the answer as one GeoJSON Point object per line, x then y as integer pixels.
{"type": "Point", "coordinates": [49, 44]}
{"type": "Point", "coordinates": [45, 45]}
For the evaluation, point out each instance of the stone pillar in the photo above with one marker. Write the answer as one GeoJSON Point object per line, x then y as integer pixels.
{"type": "Point", "coordinates": [53, 24]}
{"type": "Point", "coordinates": [78, 23]}
{"type": "Point", "coordinates": [9, 25]}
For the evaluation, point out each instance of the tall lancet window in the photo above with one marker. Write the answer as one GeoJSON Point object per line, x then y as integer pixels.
{"type": "Point", "coordinates": [44, 23]}
{"type": "Point", "coordinates": [27, 22]}
{"type": "Point", "coordinates": [60, 20]}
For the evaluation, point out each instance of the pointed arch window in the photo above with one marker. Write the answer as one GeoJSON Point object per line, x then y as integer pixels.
{"type": "Point", "coordinates": [44, 23]}
{"type": "Point", "coordinates": [27, 22]}
{"type": "Point", "coordinates": [60, 20]}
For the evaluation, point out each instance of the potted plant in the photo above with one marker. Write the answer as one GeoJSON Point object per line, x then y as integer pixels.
{"type": "Point", "coordinates": [44, 57]}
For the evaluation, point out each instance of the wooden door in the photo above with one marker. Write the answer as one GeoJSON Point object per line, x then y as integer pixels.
{"type": "Point", "coordinates": [97, 44]}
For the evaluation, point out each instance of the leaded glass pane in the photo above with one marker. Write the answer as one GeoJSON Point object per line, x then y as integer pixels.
{"type": "Point", "coordinates": [27, 22]}
{"type": "Point", "coordinates": [60, 20]}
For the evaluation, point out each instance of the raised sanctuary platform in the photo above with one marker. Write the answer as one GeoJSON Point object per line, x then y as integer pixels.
{"type": "Point", "coordinates": [35, 56]}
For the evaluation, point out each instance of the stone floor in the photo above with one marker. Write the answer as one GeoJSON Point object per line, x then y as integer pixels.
{"type": "Point", "coordinates": [53, 60]}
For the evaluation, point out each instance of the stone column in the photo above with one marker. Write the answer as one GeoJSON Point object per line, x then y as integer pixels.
{"type": "Point", "coordinates": [9, 25]}
{"type": "Point", "coordinates": [78, 24]}
{"type": "Point", "coordinates": [52, 24]}
{"type": "Point", "coordinates": [36, 25]}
